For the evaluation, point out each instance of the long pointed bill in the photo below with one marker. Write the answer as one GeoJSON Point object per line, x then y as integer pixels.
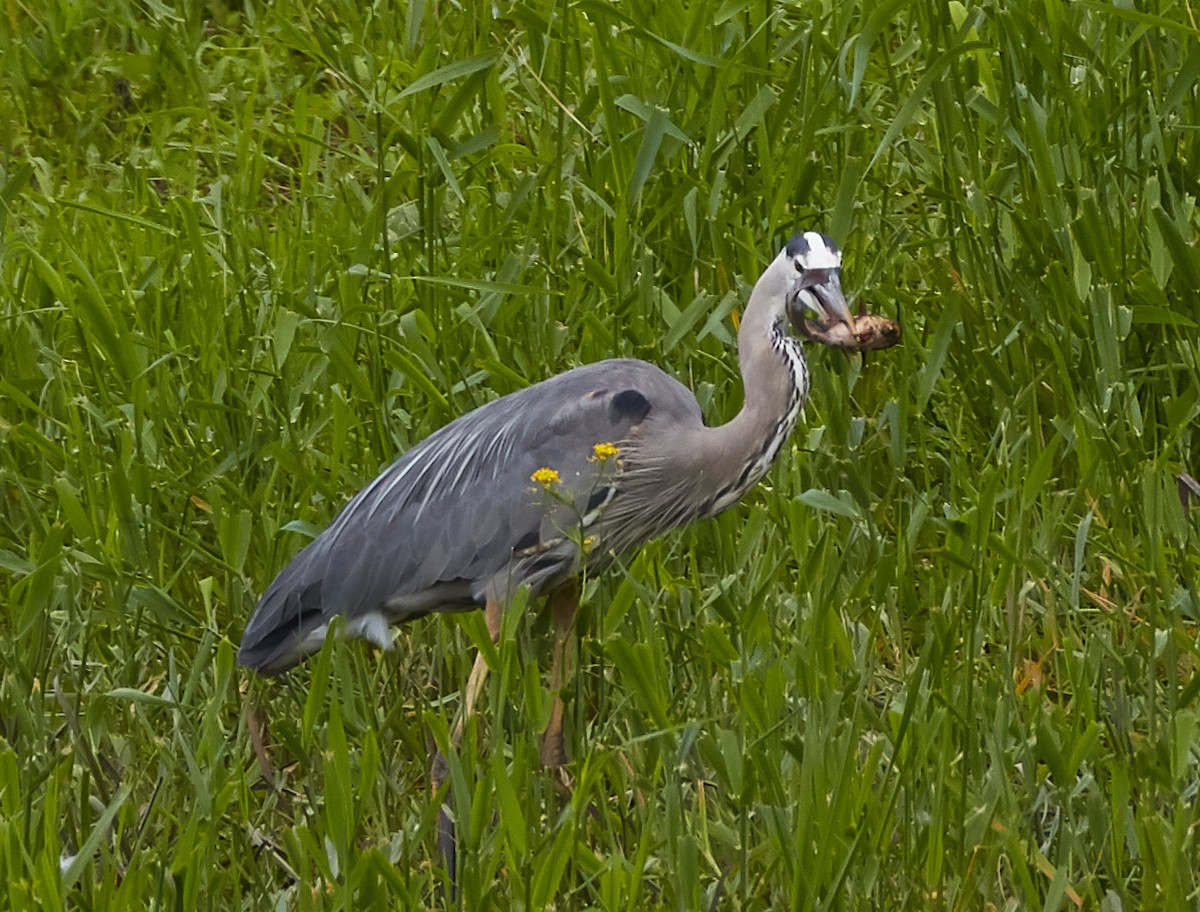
{"type": "Point", "coordinates": [829, 301]}
{"type": "Point", "coordinates": [818, 310]}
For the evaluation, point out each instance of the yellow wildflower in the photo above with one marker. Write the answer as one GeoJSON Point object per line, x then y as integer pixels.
{"type": "Point", "coordinates": [604, 451]}
{"type": "Point", "coordinates": [545, 477]}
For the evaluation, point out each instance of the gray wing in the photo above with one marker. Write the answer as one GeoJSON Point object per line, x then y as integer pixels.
{"type": "Point", "coordinates": [457, 519]}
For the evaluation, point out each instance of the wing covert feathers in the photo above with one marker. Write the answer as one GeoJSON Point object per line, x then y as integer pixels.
{"type": "Point", "coordinates": [438, 528]}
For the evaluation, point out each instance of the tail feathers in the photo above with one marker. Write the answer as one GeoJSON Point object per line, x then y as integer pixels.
{"type": "Point", "coordinates": [279, 634]}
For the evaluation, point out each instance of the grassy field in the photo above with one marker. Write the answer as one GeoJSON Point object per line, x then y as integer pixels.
{"type": "Point", "coordinates": [944, 658]}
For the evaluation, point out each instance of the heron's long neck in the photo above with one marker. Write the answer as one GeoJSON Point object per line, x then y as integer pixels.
{"type": "Point", "coordinates": [775, 378]}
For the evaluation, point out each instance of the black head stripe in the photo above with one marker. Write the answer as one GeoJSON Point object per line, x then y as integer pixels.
{"type": "Point", "coordinates": [797, 246]}
{"type": "Point", "coordinates": [812, 250]}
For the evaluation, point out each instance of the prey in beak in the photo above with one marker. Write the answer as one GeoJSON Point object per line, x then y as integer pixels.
{"type": "Point", "coordinates": [870, 332]}
{"type": "Point", "coordinates": [820, 291]}
{"type": "Point", "coordinates": [816, 305]}
{"type": "Point", "coordinates": [816, 283]}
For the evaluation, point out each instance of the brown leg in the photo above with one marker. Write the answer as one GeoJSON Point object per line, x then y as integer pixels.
{"type": "Point", "coordinates": [479, 671]}
{"type": "Point", "coordinates": [256, 724]}
{"type": "Point", "coordinates": [563, 603]}
{"type": "Point", "coordinates": [440, 770]}
{"type": "Point", "coordinates": [478, 677]}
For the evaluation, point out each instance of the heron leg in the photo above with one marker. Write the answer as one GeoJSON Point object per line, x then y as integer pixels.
{"type": "Point", "coordinates": [439, 768]}
{"type": "Point", "coordinates": [257, 725]}
{"type": "Point", "coordinates": [564, 601]}
{"type": "Point", "coordinates": [479, 671]}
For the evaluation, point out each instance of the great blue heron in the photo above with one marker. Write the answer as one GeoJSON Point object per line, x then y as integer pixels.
{"type": "Point", "coordinates": [535, 487]}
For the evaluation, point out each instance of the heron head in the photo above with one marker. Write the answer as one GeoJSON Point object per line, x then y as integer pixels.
{"type": "Point", "coordinates": [814, 266]}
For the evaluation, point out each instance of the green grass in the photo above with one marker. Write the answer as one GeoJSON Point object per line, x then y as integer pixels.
{"type": "Point", "coordinates": [944, 658]}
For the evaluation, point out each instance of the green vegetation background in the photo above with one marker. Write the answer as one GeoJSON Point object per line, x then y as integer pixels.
{"type": "Point", "coordinates": [945, 658]}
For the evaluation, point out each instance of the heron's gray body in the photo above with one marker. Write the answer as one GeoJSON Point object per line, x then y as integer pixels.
{"type": "Point", "coordinates": [459, 520]}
